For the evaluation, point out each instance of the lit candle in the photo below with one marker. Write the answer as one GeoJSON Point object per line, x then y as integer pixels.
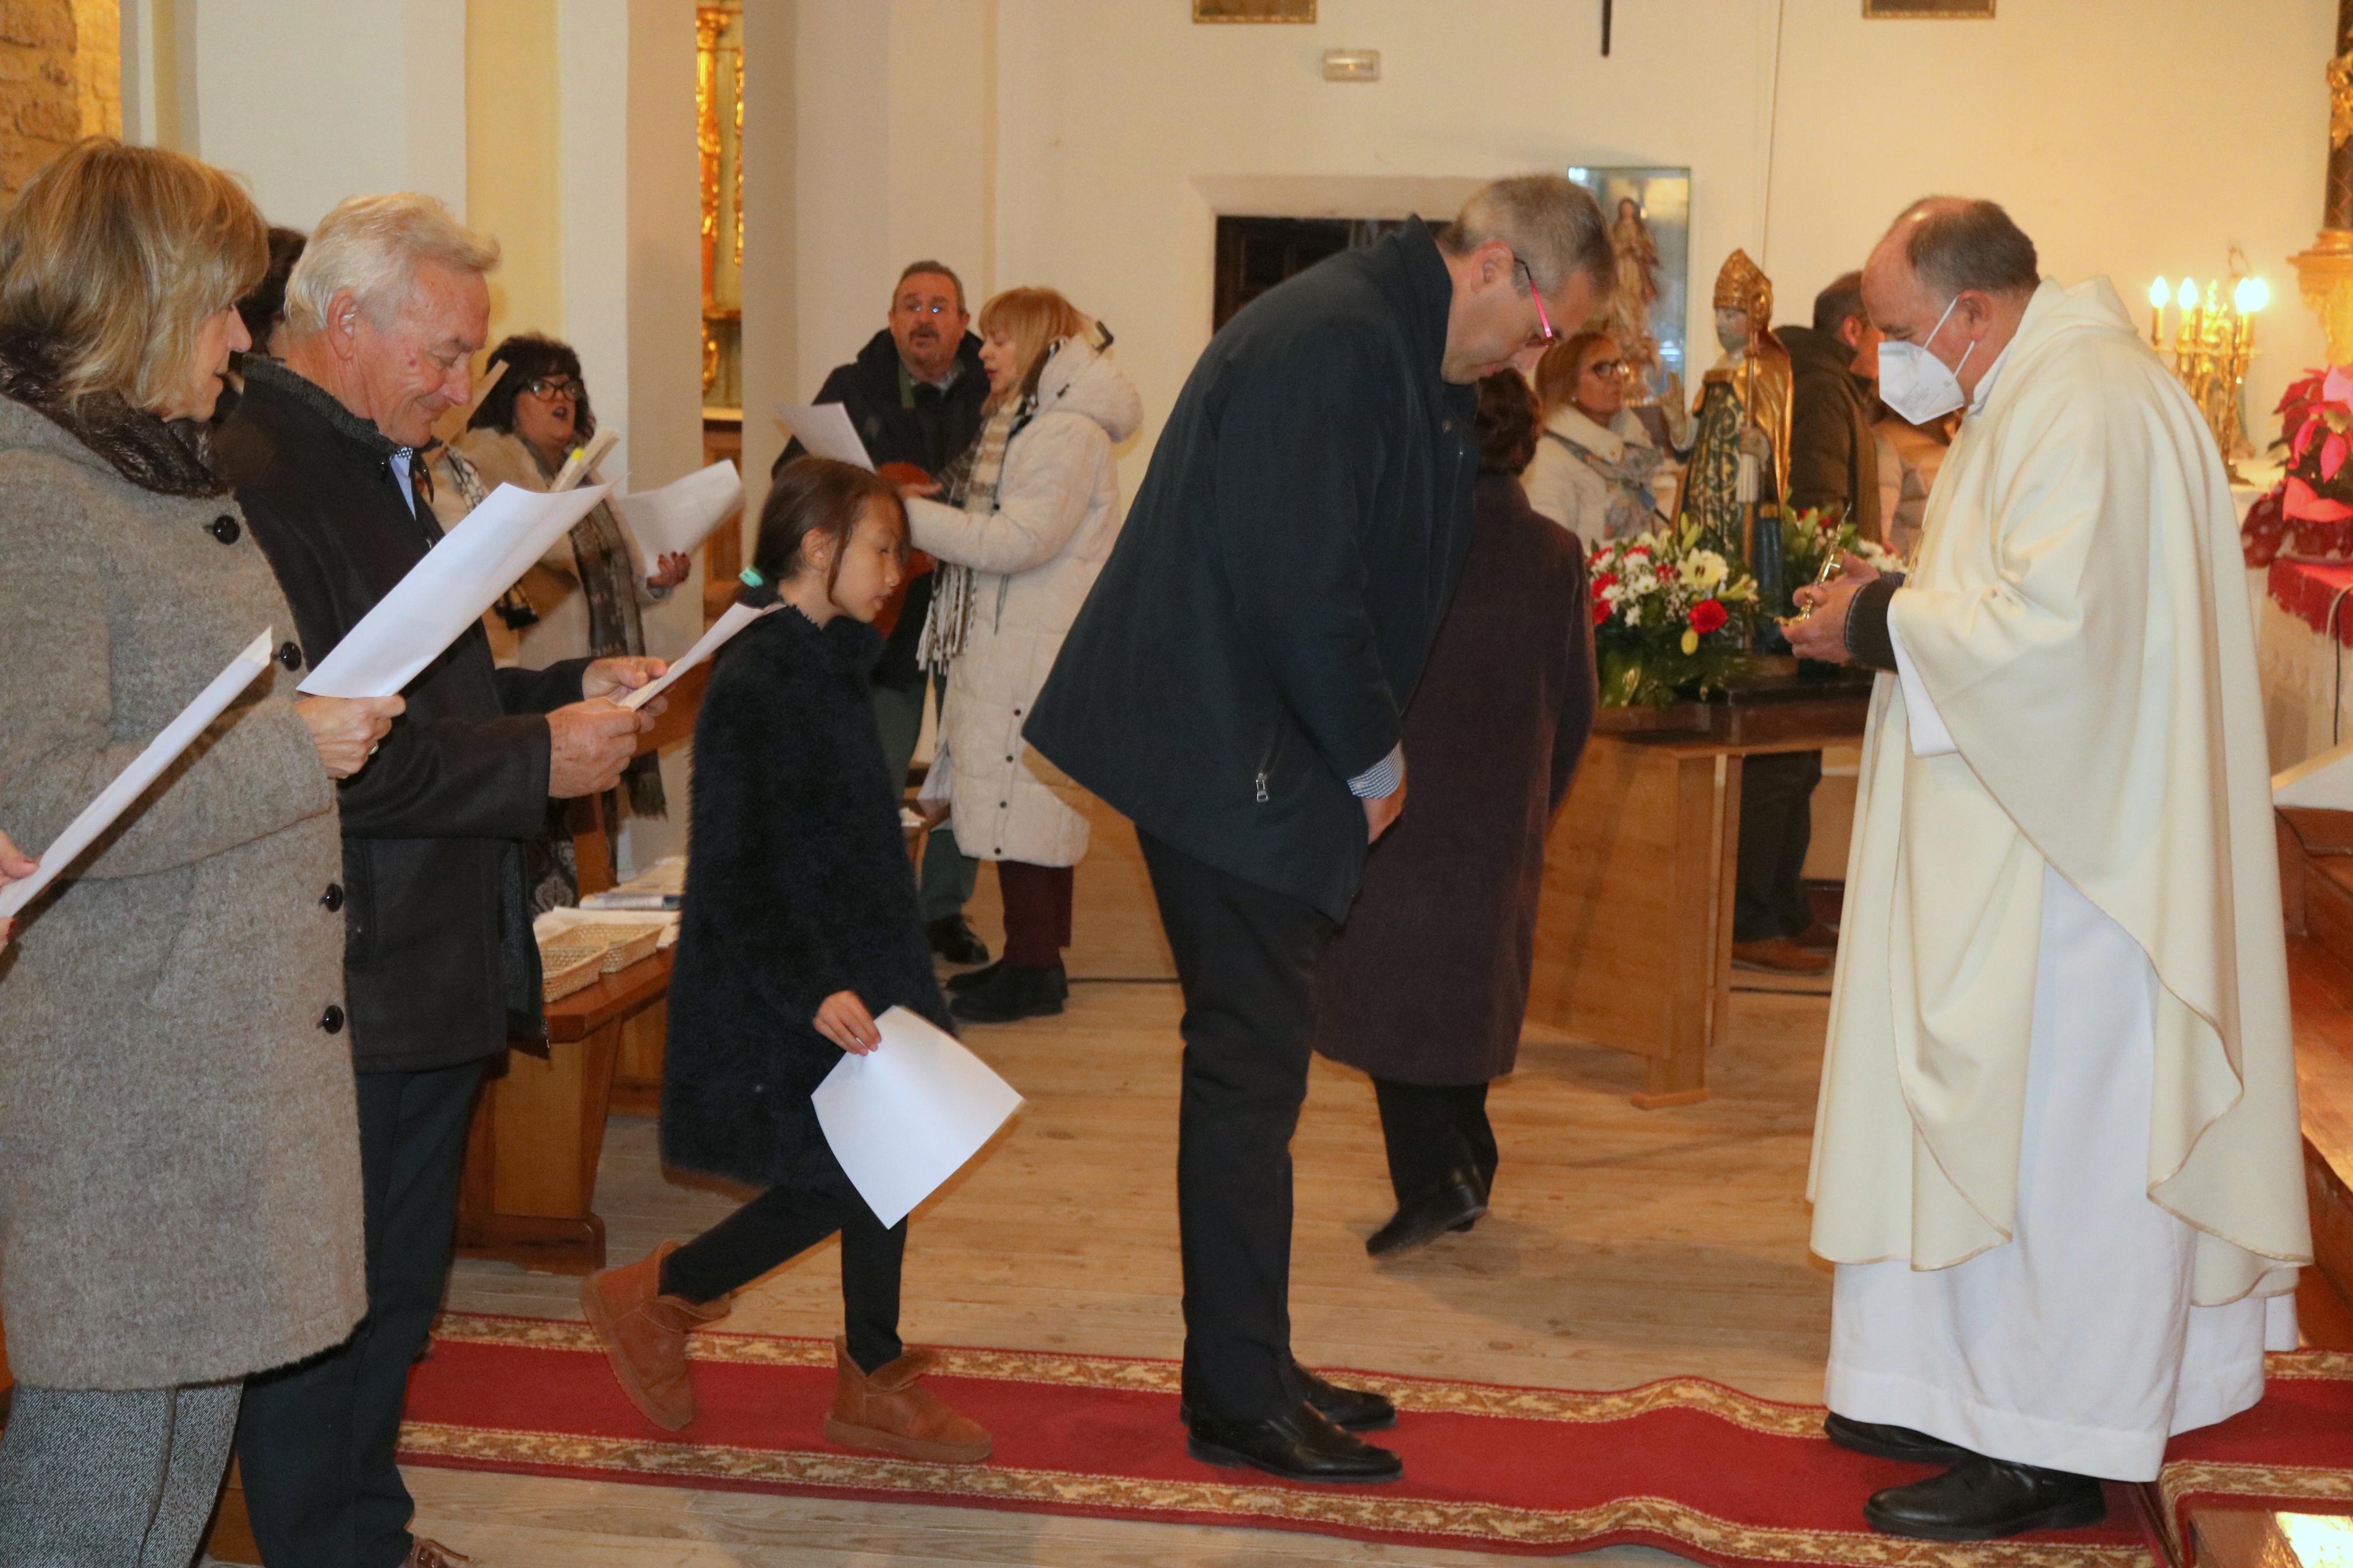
{"type": "Point", "coordinates": [2159, 293]}
{"type": "Point", "coordinates": [2185, 339]}
{"type": "Point", "coordinates": [2250, 296]}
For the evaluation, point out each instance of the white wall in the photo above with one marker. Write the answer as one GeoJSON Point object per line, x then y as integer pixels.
{"type": "Point", "coordinates": [2130, 137]}
{"type": "Point", "coordinates": [311, 102]}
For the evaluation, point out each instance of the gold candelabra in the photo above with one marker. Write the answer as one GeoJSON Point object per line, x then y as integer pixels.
{"type": "Point", "coordinates": [2212, 346]}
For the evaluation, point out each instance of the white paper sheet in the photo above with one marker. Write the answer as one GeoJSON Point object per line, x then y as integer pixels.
{"type": "Point", "coordinates": [448, 589]}
{"type": "Point", "coordinates": [676, 518]}
{"type": "Point", "coordinates": [737, 617]}
{"type": "Point", "coordinates": [904, 1118]}
{"type": "Point", "coordinates": [584, 460]}
{"type": "Point", "coordinates": [143, 770]}
{"type": "Point", "coordinates": [826, 430]}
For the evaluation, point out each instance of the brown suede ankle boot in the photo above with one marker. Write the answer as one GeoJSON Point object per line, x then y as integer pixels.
{"type": "Point", "coordinates": [644, 1334]}
{"type": "Point", "coordinates": [889, 1409]}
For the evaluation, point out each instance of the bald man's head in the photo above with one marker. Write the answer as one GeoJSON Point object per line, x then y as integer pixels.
{"type": "Point", "coordinates": [1953, 276]}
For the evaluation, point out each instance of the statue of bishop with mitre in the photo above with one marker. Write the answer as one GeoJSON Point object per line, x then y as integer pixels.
{"type": "Point", "coordinates": [1743, 409]}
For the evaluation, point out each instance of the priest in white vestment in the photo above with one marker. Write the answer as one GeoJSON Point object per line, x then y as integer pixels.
{"type": "Point", "coordinates": [2056, 1160]}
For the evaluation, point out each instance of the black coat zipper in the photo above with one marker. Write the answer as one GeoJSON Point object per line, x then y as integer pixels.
{"type": "Point", "coordinates": [1271, 755]}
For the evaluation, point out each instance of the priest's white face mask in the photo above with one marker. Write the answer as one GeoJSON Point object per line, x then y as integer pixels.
{"type": "Point", "coordinates": [1915, 383]}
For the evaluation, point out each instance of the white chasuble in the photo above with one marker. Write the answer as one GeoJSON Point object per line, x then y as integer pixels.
{"type": "Point", "coordinates": [2063, 981]}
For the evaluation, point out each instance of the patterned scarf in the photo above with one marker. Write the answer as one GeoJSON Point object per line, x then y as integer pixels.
{"type": "Point", "coordinates": [969, 485]}
{"type": "Point", "coordinates": [611, 633]}
{"type": "Point", "coordinates": [1633, 506]}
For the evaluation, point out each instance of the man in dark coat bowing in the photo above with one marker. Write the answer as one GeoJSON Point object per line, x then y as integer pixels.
{"type": "Point", "coordinates": [1234, 684]}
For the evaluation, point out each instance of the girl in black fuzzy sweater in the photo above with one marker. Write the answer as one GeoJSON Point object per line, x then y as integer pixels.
{"type": "Point", "coordinates": [801, 924]}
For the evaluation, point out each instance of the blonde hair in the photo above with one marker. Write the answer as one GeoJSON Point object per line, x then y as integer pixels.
{"type": "Point", "coordinates": [371, 246]}
{"type": "Point", "coordinates": [1033, 321]}
{"type": "Point", "coordinates": [118, 255]}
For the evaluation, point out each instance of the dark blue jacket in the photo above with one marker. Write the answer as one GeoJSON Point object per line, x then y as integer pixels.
{"type": "Point", "coordinates": [1264, 616]}
{"type": "Point", "coordinates": [800, 887]}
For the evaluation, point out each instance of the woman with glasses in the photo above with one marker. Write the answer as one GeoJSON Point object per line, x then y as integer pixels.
{"type": "Point", "coordinates": [1594, 467]}
{"type": "Point", "coordinates": [585, 596]}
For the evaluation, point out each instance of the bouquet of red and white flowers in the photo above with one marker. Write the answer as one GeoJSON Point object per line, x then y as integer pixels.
{"type": "Point", "coordinates": [1670, 619]}
{"type": "Point", "coordinates": [1815, 535]}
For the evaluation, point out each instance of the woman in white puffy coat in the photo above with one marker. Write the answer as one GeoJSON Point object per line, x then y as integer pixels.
{"type": "Point", "coordinates": [1028, 519]}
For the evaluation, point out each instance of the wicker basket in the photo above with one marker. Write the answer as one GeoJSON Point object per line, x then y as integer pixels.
{"type": "Point", "coordinates": [567, 965]}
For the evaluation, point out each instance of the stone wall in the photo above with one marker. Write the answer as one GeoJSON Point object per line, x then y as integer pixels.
{"type": "Point", "coordinates": [60, 80]}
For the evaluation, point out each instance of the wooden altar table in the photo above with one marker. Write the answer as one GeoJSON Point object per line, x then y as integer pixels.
{"type": "Point", "coordinates": [1633, 945]}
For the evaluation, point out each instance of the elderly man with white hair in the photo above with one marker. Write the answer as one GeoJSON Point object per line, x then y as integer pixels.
{"type": "Point", "coordinates": [383, 312]}
{"type": "Point", "coordinates": [2057, 1160]}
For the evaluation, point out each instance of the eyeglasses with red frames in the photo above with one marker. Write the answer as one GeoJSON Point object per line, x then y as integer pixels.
{"type": "Point", "coordinates": [1544, 333]}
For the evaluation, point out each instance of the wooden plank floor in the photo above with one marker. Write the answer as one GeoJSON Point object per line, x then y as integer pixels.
{"type": "Point", "coordinates": [1625, 1245]}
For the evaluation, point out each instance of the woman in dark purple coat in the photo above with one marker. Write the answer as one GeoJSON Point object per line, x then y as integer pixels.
{"type": "Point", "coordinates": [1426, 985]}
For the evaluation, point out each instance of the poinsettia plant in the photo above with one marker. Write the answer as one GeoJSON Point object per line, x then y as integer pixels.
{"type": "Point", "coordinates": [1816, 534]}
{"type": "Point", "coordinates": [2307, 514]}
{"type": "Point", "coordinates": [1670, 618]}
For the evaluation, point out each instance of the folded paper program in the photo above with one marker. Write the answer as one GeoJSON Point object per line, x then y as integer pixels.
{"type": "Point", "coordinates": [142, 770]}
{"type": "Point", "coordinates": [448, 589]}
{"type": "Point", "coordinates": [906, 1116]}
{"type": "Point", "coordinates": [680, 515]}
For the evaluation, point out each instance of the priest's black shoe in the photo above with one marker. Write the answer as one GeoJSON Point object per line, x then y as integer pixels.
{"type": "Point", "coordinates": [1350, 1409]}
{"type": "Point", "coordinates": [1011, 993]}
{"type": "Point", "coordinates": [1985, 1499]}
{"type": "Point", "coordinates": [1300, 1446]}
{"type": "Point", "coordinates": [1455, 1203]}
{"type": "Point", "coordinates": [952, 940]}
{"type": "Point", "coordinates": [1883, 1442]}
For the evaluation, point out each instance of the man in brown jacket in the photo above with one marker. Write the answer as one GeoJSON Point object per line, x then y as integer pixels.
{"type": "Point", "coordinates": [1833, 463]}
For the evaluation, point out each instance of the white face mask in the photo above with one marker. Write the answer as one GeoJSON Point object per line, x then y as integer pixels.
{"type": "Point", "coordinates": [1915, 383]}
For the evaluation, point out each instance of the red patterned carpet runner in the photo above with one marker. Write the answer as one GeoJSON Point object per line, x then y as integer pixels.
{"type": "Point", "coordinates": [1684, 1465]}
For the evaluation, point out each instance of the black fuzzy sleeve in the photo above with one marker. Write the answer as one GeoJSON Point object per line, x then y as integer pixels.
{"type": "Point", "coordinates": [764, 782]}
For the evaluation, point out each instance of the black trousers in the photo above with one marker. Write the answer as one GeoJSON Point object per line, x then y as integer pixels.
{"type": "Point", "coordinates": [1777, 824]}
{"type": "Point", "coordinates": [1246, 958]}
{"type": "Point", "coordinates": [315, 1440]}
{"type": "Point", "coordinates": [785, 1222]}
{"type": "Point", "coordinates": [1433, 1130]}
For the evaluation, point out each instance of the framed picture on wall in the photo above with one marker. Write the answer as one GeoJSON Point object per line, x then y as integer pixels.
{"type": "Point", "coordinates": [1649, 230]}
{"type": "Point", "coordinates": [1981, 10]}
{"type": "Point", "coordinates": [1254, 10]}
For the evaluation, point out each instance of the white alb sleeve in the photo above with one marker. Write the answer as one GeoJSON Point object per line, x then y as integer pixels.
{"type": "Point", "coordinates": [1928, 735]}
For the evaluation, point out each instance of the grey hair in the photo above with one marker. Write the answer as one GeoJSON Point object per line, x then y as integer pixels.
{"type": "Point", "coordinates": [1957, 243]}
{"type": "Point", "coordinates": [1551, 223]}
{"type": "Point", "coordinates": [372, 248]}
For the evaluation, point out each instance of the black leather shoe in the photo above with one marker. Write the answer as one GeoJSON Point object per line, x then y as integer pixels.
{"type": "Point", "coordinates": [1011, 995]}
{"type": "Point", "coordinates": [1300, 1446]}
{"type": "Point", "coordinates": [957, 984]}
{"type": "Point", "coordinates": [1350, 1409]}
{"type": "Point", "coordinates": [1458, 1200]}
{"type": "Point", "coordinates": [1882, 1442]}
{"type": "Point", "coordinates": [1985, 1499]}
{"type": "Point", "coordinates": [952, 940]}
{"type": "Point", "coordinates": [973, 979]}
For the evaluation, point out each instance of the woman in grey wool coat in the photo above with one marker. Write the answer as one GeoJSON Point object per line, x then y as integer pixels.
{"type": "Point", "coordinates": [179, 1161]}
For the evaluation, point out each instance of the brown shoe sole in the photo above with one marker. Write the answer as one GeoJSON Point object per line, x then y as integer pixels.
{"type": "Point", "coordinates": [600, 1318]}
{"type": "Point", "coordinates": [849, 1436]}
